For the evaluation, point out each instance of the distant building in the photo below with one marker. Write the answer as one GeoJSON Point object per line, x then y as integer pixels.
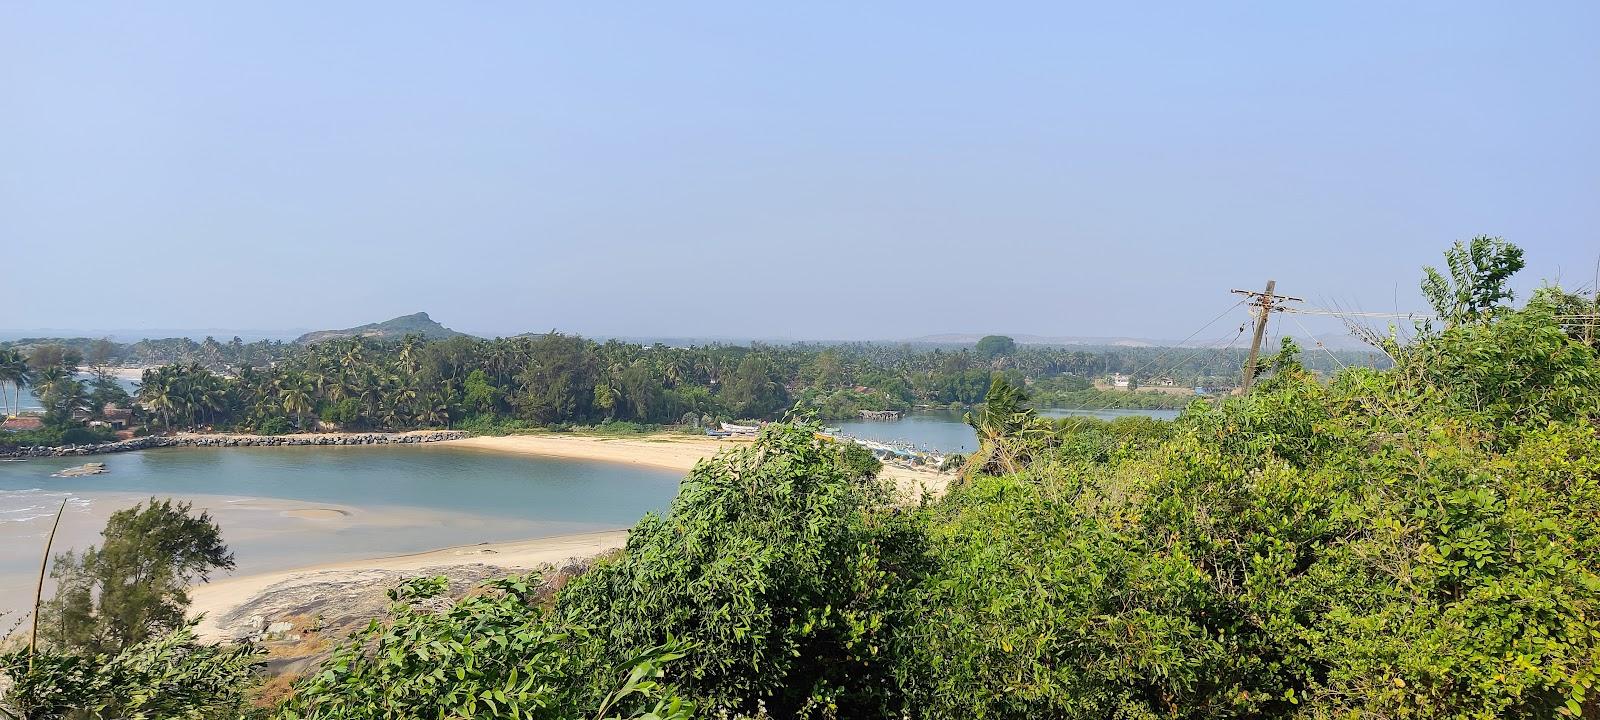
{"type": "Point", "coordinates": [21, 423]}
{"type": "Point", "coordinates": [118, 418]}
{"type": "Point", "coordinates": [1120, 381]}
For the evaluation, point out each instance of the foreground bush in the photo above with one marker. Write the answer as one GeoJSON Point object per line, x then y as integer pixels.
{"type": "Point", "coordinates": [172, 676]}
{"type": "Point", "coordinates": [780, 565]}
{"type": "Point", "coordinates": [1419, 542]}
{"type": "Point", "coordinates": [493, 654]}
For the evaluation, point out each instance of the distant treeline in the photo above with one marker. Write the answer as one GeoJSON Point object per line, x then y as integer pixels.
{"type": "Point", "coordinates": [211, 353]}
{"type": "Point", "coordinates": [557, 379]}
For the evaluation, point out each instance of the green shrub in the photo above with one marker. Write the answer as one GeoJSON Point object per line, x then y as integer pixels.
{"type": "Point", "coordinates": [1416, 542]}
{"type": "Point", "coordinates": [778, 566]}
{"type": "Point", "coordinates": [276, 425]}
{"type": "Point", "coordinates": [55, 437]}
{"type": "Point", "coordinates": [492, 654]}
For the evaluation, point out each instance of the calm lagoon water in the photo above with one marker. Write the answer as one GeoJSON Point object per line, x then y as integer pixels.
{"type": "Point", "coordinates": [399, 499]}
{"type": "Point", "coordinates": [944, 431]}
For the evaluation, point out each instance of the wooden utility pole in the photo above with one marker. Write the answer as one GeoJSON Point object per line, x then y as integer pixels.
{"type": "Point", "coordinates": [1262, 305]}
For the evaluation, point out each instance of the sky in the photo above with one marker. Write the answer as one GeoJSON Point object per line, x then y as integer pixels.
{"type": "Point", "coordinates": [781, 170]}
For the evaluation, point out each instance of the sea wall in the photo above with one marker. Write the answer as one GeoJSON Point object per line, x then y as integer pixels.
{"type": "Point", "coordinates": [218, 440]}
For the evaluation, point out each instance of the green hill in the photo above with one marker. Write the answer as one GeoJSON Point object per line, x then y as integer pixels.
{"type": "Point", "coordinates": [414, 324]}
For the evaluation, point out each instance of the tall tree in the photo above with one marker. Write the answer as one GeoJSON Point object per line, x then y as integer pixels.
{"type": "Point", "coordinates": [133, 586]}
{"type": "Point", "coordinates": [1479, 271]}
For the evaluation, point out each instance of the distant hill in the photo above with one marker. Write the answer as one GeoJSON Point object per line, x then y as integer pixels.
{"type": "Point", "coordinates": [971, 338]}
{"type": "Point", "coordinates": [415, 324]}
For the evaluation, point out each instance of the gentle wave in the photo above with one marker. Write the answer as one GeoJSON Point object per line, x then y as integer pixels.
{"type": "Point", "coordinates": [15, 505]}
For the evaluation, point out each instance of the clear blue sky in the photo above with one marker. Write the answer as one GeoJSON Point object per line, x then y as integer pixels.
{"type": "Point", "coordinates": [815, 170]}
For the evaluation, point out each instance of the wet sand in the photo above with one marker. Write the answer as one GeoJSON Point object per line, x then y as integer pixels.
{"type": "Point", "coordinates": [668, 451]}
{"type": "Point", "coordinates": [216, 599]}
{"type": "Point", "coordinates": [268, 535]}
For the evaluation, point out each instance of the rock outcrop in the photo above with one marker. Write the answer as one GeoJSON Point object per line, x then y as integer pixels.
{"type": "Point", "coordinates": [220, 440]}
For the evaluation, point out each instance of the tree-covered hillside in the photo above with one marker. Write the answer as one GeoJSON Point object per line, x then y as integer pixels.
{"type": "Point", "coordinates": [418, 324]}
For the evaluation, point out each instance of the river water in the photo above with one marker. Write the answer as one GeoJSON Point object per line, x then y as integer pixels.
{"type": "Point", "coordinates": [945, 432]}
{"type": "Point", "coordinates": [285, 507]}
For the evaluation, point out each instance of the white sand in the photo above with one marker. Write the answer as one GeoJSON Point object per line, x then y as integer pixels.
{"type": "Point", "coordinates": [675, 452]}
{"type": "Point", "coordinates": [217, 598]}
{"type": "Point", "coordinates": [670, 451]}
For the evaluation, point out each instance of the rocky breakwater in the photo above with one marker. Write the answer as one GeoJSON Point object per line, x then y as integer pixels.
{"type": "Point", "coordinates": [221, 440]}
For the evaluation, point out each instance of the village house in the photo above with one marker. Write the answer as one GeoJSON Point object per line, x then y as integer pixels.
{"type": "Point", "coordinates": [21, 423]}
{"type": "Point", "coordinates": [119, 418]}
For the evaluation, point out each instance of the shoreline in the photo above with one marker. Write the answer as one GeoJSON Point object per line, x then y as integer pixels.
{"type": "Point", "coordinates": [121, 372]}
{"type": "Point", "coordinates": [669, 451]}
{"type": "Point", "coordinates": [221, 600]}
{"type": "Point", "coordinates": [225, 602]}
{"type": "Point", "coordinates": [189, 439]}
{"type": "Point", "coordinates": [86, 512]}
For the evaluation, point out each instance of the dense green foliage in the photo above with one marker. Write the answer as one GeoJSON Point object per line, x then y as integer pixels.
{"type": "Point", "coordinates": [559, 380]}
{"type": "Point", "coordinates": [493, 654]}
{"type": "Point", "coordinates": [133, 586]}
{"type": "Point", "coordinates": [172, 676]}
{"type": "Point", "coordinates": [554, 380]}
{"type": "Point", "coordinates": [1415, 542]}
{"type": "Point", "coordinates": [1418, 542]}
{"type": "Point", "coordinates": [777, 564]}
{"type": "Point", "coordinates": [113, 641]}
{"type": "Point", "coordinates": [54, 437]}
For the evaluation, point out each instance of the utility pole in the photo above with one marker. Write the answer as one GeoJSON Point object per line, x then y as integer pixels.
{"type": "Point", "coordinates": [1262, 305]}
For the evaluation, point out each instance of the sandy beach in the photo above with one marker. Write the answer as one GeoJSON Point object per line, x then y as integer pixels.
{"type": "Point", "coordinates": [216, 599]}
{"type": "Point", "coordinates": [222, 600]}
{"type": "Point", "coordinates": [671, 451]}
{"type": "Point", "coordinates": [134, 374]}
{"type": "Point", "coordinates": [264, 520]}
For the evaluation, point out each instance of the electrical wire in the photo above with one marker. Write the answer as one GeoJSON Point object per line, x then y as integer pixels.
{"type": "Point", "coordinates": [1325, 349]}
{"type": "Point", "coordinates": [1192, 335]}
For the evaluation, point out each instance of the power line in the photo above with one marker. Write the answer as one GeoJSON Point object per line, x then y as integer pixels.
{"type": "Point", "coordinates": [1325, 349]}
{"type": "Point", "coordinates": [1168, 351]}
{"type": "Point", "coordinates": [1170, 368]}
{"type": "Point", "coordinates": [1355, 313]}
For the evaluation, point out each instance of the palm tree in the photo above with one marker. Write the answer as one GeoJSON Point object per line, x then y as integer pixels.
{"type": "Point", "coordinates": [405, 396]}
{"type": "Point", "coordinates": [369, 392]}
{"type": "Point", "coordinates": [337, 389]}
{"type": "Point", "coordinates": [50, 380]}
{"type": "Point", "coordinates": [156, 391]}
{"type": "Point", "coordinates": [408, 353]}
{"type": "Point", "coordinates": [297, 402]}
{"type": "Point", "coordinates": [13, 371]}
{"type": "Point", "coordinates": [436, 410]}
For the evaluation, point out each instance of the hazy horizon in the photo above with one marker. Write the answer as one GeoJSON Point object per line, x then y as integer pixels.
{"type": "Point", "coordinates": [829, 172]}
